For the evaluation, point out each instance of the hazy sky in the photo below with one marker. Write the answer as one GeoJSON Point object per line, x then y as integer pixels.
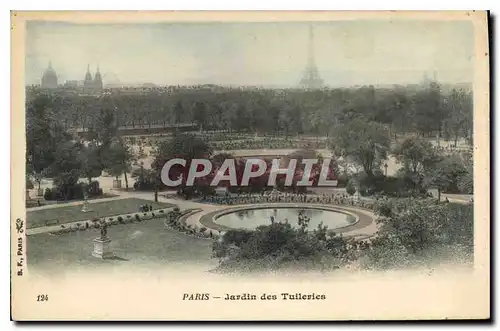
{"type": "Point", "coordinates": [346, 52]}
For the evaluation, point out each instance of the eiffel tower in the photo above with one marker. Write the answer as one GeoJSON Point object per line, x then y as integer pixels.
{"type": "Point", "coordinates": [311, 78]}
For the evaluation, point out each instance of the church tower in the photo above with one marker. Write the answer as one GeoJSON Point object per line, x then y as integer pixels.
{"type": "Point", "coordinates": [88, 82]}
{"type": "Point", "coordinates": [92, 85]}
{"type": "Point", "coordinates": [98, 80]}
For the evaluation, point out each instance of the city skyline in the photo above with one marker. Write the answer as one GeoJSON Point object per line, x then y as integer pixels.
{"type": "Point", "coordinates": [259, 54]}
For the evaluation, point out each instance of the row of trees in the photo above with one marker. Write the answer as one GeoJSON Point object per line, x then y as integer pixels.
{"type": "Point", "coordinates": [53, 153]}
{"type": "Point", "coordinates": [362, 150]}
{"type": "Point", "coordinates": [424, 110]}
{"type": "Point", "coordinates": [365, 145]}
{"type": "Point", "coordinates": [356, 138]}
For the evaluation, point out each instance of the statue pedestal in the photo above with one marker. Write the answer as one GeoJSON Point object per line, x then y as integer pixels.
{"type": "Point", "coordinates": [102, 248]}
{"type": "Point", "coordinates": [86, 207]}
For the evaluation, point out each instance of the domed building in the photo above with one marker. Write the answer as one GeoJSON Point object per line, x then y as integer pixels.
{"type": "Point", "coordinates": [49, 78]}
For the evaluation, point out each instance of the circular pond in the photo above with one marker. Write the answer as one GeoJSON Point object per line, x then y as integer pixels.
{"type": "Point", "coordinates": [251, 218]}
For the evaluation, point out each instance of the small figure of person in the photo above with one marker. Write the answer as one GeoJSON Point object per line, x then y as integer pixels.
{"type": "Point", "coordinates": [446, 200]}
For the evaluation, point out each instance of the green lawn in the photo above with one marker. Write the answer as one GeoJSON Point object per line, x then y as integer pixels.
{"type": "Point", "coordinates": [99, 209]}
{"type": "Point", "coordinates": [136, 246]}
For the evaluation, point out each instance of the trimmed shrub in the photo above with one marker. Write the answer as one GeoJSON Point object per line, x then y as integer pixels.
{"type": "Point", "coordinates": [342, 180]}
{"type": "Point", "coordinates": [47, 195]}
{"type": "Point", "coordinates": [350, 187]}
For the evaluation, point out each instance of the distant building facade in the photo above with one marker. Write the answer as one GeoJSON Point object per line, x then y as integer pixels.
{"type": "Point", "coordinates": [71, 84]}
{"type": "Point", "coordinates": [49, 78]}
{"type": "Point", "coordinates": [92, 85]}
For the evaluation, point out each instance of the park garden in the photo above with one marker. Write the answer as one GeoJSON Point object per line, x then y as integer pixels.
{"type": "Point", "coordinates": [426, 132]}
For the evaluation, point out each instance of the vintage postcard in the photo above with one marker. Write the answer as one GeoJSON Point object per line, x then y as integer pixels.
{"type": "Point", "coordinates": [217, 166]}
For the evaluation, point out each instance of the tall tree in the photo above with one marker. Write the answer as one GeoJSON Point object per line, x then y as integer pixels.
{"type": "Point", "coordinates": [43, 134]}
{"type": "Point", "coordinates": [66, 168]}
{"type": "Point", "coordinates": [365, 142]}
{"type": "Point", "coordinates": [178, 111]}
{"type": "Point", "coordinates": [417, 157]}
{"type": "Point", "coordinates": [429, 110]}
{"type": "Point", "coordinates": [184, 146]}
{"type": "Point", "coordinates": [91, 163]}
{"type": "Point", "coordinates": [445, 175]}
{"type": "Point", "coordinates": [200, 114]}
{"type": "Point", "coordinates": [459, 106]}
{"type": "Point", "coordinates": [120, 158]}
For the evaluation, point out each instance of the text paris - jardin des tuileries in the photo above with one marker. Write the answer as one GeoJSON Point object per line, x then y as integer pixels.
{"type": "Point", "coordinates": [249, 296]}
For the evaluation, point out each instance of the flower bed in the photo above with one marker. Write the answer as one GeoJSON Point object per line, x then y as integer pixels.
{"type": "Point", "coordinates": [177, 221]}
{"type": "Point", "coordinates": [110, 221]}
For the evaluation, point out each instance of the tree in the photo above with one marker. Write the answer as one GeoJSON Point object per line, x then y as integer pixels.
{"type": "Point", "coordinates": [91, 162]}
{"type": "Point", "coordinates": [66, 169]}
{"type": "Point", "coordinates": [429, 111]}
{"type": "Point", "coordinates": [466, 180]}
{"type": "Point", "coordinates": [366, 143]}
{"type": "Point", "coordinates": [183, 146]}
{"type": "Point", "coordinates": [459, 106]}
{"type": "Point", "coordinates": [120, 158]}
{"type": "Point", "coordinates": [417, 156]}
{"type": "Point", "coordinates": [445, 175]}
{"type": "Point", "coordinates": [200, 114]}
{"type": "Point", "coordinates": [178, 111]}
{"type": "Point", "coordinates": [43, 135]}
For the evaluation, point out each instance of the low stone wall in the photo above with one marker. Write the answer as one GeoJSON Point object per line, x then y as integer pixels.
{"type": "Point", "coordinates": [361, 219]}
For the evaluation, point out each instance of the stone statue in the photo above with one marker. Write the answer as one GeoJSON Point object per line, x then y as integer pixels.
{"type": "Point", "coordinates": [102, 248]}
{"type": "Point", "coordinates": [85, 207]}
{"type": "Point", "coordinates": [104, 230]}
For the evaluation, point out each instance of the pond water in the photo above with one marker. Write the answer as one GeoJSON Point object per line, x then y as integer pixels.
{"type": "Point", "coordinates": [252, 218]}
